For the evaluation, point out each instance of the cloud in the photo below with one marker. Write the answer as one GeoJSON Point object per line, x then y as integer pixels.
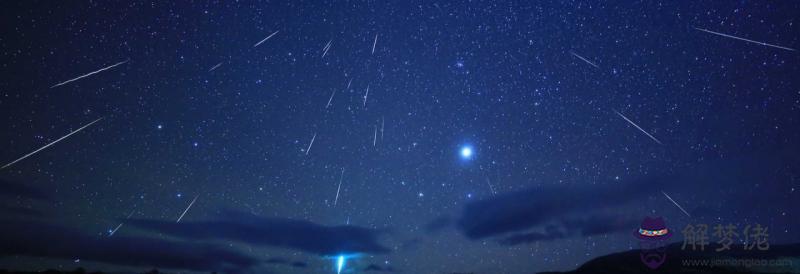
{"type": "Point", "coordinates": [378, 268]}
{"type": "Point", "coordinates": [438, 224]}
{"type": "Point", "coordinates": [278, 232]}
{"type": "Point", "coordinates": [746, 185]}
{"type": "Point", "coordinates": [299, 264]}
{"type": "Point", "coordinates": [283, 261]}
{"type": "Point", "coordinates": [537, 207]}
{"type": "Point", "coordinates": [10, 189]}
{"type": "Point", "coordinates": [587, 226]}
{"type": "Point", "coordinates": [20, 211]}
{"type": "Point", "coordinates": [36, 239]}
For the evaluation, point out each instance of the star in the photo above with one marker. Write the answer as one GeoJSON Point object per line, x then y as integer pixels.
{"type": "Point", "coordinates": [466, 152]}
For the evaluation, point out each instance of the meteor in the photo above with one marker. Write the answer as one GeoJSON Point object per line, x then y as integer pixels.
{"type": "Point", "coordinates": [491, 188]}
{"type": "Point", "coordinates": [111, 233]}
{"type": "Point", "coordinates": [743, 39]}
{"type": "Point", "coordinates": [330, 99]}
{"type": "Point", "coordinates": [374, 43]}
{"type": "Point", "coordinates": [327, 47]}
{"type": "Point", "coordinates": [637, 126]}
{"type": "Point", "coordinates": [50, 144]}
{"type": "Point", "coordinates": [375, 137]}
{"type": "Point", "coordinates": [339, 264]}
{"type": "Point", "coordinates": [365, 96]}
{"type": "Point", "coordinates": [584, 59]}
{"type": "Point", "coordinates": [265, 39]}
{"type": "Point", "coordinates": [676, 204]}
{"type": "Point", "coordinates": [312, 142]}
{"type": "Point", "coordinates": [187, 209]}
{"type": "Point", "coordinates": [90, 73]}
{"type": "Point", "coordinates": [214, 67]}
{"type": "Point", "coordinates": [338, 188]}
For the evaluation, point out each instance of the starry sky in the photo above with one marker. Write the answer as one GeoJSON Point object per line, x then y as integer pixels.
{"type": "Point", "coordinates": [404, 136]}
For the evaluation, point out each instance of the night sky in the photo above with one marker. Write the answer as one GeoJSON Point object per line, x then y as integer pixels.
{"type": "Point", "coordinates": [431, 137]}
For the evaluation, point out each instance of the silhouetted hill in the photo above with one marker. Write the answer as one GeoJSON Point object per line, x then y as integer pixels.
{"type": "Point", "coordinates": [79, 270]}
{"type": "Point", "coordinates": [688, 261]}
{"type": "Point", "coordinates": [49, 271]}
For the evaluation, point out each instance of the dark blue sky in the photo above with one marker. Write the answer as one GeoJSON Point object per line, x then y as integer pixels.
{"type": "Point", "coordinates": [507, 79]}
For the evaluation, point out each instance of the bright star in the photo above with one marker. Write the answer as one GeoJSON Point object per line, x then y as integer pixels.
{"type": "Point", "coordinates": [466, 152]}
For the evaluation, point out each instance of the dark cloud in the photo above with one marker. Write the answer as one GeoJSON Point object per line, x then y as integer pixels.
{"type": "Point", "coordinates": [561, 211]}
{"type": "Point", "coordinates": [16, 190]}
{"type": "Point", "coordinates": [535, 207]}
{"type": "Point", "coordinates": [588, 226]}
{"type": "Point", "coordinates": [438, 224]}
{"type": "Point", "coordinates": [283, 261]}
{"type": "Point", "coordinates": [378, 268]}
{"type": "Point", "coordinates": [19, 211]}
{"type": "Point", "coordinates": [36, 239]}
{"type": "Point", "coordinates": [600, 224]}
{"type": "Point", "coordinates": [276, 261]}
{"type": "Point", "coordinates": [550, 232]}
{"type": "Point", "coordinates": [279, 232]}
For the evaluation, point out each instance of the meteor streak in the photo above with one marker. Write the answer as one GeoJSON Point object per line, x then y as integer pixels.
{"type": "Point", "coordinates": [676, 204]}
{"type": "Point", "coordinates": [491, 188]}
{"type": "Point", "coordinates": [374, 43]}
{"type": "Point", "coordinates": [90, 73]}
{"type": "Point", "coordinates": [637, 126]}
{"type": "Point", "coordinates": [311, 143]}
{"type": "Point", "coordinates": [338, 188]}
{"type": "Point", "coordinates": [365, 96]}
{"type": "Point", "coordinates": [187, 209]}
{"type": "Point", "coordinates": [111, 233]}
{"type": "Point", "coordinates": [50, 144]}
{"type": "Point", "coordinates": [584, 59]}
{"type": "Point", "coordinates": [115, 230]}
{"type": "Point", "coordinates": [327, 47]}
{"type": "Point", "coordinates": [743, 39]}
{"type": "Point", "coordinates": [265, 39]}
{"type": "Point", "coordinates": [330, 99]}
{"type": "Point", "coordinates": [215, 67]}
{"type": "Point", "coordinates": [339, 264]}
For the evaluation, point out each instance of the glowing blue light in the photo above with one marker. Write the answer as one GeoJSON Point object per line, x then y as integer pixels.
{"type": "Point", "coordinates": [466, 152]}
{"type": "Point", "coordinates": [339, 264]}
